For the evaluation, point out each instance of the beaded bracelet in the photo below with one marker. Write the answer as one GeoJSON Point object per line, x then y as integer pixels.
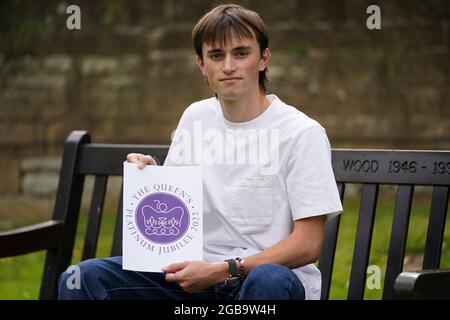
{"type": "Point", "coordinates": [242, 275]}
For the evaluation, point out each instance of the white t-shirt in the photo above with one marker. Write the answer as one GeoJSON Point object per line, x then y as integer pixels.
{"type": "Point", "coordinates": [259, 177]}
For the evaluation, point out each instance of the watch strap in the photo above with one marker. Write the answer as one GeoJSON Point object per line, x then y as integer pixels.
{"type": "Point", "coordinates": [232, 267]}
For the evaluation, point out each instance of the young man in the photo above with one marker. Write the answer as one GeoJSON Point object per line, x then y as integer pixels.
{"type": "Point", "coordinates": [264, 219]}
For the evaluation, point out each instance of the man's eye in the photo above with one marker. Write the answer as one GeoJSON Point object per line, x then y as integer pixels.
{"type": "Point", "coordinates": [215, 56]}
{"type": "Point", "coordinates": [242, 54]}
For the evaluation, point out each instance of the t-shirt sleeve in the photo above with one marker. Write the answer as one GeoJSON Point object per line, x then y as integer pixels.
{"type": "Point", "coordinates": [311, 186]}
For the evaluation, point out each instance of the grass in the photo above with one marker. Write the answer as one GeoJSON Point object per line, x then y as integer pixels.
{"type": "Point", "coordinates": [20, 276]}
{"type": "Point", "coordinates": [380, 244]}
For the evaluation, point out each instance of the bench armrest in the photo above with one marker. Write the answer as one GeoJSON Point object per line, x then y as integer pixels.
{"type": "Point", "coordinates": [31, 238]}
{"type": "Point", "coordinates": [425, 284]}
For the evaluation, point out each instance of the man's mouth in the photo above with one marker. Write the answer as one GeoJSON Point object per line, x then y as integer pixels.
{"type": "Point", "coordinates": [230, 79]}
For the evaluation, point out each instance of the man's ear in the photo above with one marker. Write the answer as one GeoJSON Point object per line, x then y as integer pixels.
{"type": "Point", "coordinates": [199, 62]}
{"type": "Point", "coordinates": [265, 57]}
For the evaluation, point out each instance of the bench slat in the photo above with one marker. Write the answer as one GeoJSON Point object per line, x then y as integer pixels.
{"type": "Point", "coordinates": [32, 238]}
{"type": "Point", "coordinates": [363, 241]}
{"type": "Point", "coordinates": [108, 158]}
{"type": "Point", "coordinates": [67, 208]}
{"type": "Point", "coordinates": [436, 227]}
{"type": "Point", "coordinates": [95, 217]}
{"type": "Point", "coordinates": [399, 233]}
{"type": "Point", "coordinates": [391, 166]}
{"type": "Point", "coordinates": [327, 255]}
{"type": "Point", "coordinates": [116, 249]}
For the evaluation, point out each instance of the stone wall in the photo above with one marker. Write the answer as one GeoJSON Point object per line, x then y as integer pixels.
{"type": "Point", "coordinates": [129, 73]}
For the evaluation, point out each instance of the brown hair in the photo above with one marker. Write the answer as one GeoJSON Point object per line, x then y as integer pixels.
{"type": "Point", "coordinates": [217, 26]}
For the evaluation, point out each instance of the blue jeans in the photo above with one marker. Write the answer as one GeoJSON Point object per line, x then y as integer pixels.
{"type": "Point", "coordinates": [105, 279]}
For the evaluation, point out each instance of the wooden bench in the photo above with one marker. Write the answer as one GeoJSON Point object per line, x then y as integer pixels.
{"type": "Point", "coordinates": [371, 168]}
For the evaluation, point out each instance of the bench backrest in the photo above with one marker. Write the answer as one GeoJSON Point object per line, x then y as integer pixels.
{"type": "Point", "coordinates": [368, 167]}
{"type": "Point", "coordinates": [373, 168]}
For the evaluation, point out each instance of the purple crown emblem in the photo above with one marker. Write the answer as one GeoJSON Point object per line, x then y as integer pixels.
{"type": "Point", "coordinates": [162, 217]}
{"type": "Point", "coordinates": [160, 221]}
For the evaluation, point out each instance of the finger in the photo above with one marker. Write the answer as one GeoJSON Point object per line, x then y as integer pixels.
{"type": "Point", "coordinates": [171, 277]}
{"type": "Point", "coordinates": [133, 157]}
{"type": "Point", "coordinates": [174, 267]}
{"type": "Point", "coordinates": [146, 160]}
{"type": "Point", "coordinates": [142, 161]}
{"type": "Point", "coordinates": [141, 164]}
{"type": "Point", "coordinates": [149, 160]}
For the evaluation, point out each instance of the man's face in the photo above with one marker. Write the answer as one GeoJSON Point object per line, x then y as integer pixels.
{"type": "Point", "coordinates": [233, 70]}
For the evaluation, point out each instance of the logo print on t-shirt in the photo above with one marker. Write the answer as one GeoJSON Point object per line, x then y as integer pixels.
{"type": "Point", "coordinates": [162, 218]}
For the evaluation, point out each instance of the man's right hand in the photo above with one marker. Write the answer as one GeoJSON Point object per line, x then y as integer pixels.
{"type": "Point", "coordinates": [141, 160]}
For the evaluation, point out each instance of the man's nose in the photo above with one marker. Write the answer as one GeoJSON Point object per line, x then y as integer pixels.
{"type": "Point", "coordinates": [228, 65]}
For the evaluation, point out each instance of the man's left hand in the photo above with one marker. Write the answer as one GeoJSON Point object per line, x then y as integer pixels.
{"type": "Point", "coordinates": [193, 276]}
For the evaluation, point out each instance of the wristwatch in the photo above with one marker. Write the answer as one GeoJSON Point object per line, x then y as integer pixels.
{"type": "Point", "coordinates": [234, 278]}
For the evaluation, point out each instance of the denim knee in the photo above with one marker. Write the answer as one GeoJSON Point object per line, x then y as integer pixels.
{"type": "Point", "coordinates": [72, 284]}
{"type": "Point", "coordinates": [272, 281]}
{"type": "Point", "coordinates": [269, 275]}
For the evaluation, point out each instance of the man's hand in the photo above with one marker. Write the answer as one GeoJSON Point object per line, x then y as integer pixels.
{"type": "Point", "coordinates": [193, 276]}
{"type": "Point", "coordinates": [141, 160]}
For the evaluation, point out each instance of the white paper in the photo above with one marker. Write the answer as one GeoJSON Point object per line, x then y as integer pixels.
{"type": "Point", "coordinates": [162, 216]}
